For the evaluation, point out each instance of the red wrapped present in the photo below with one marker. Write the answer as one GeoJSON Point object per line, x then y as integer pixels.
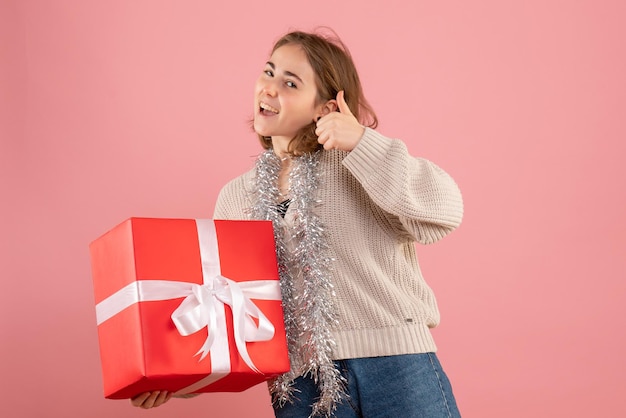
{"type": "Point", "coordinates": [187, 306]}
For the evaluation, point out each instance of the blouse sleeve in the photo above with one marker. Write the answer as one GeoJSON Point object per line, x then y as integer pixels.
{"type": "Point", "coordinates": [425, 200]}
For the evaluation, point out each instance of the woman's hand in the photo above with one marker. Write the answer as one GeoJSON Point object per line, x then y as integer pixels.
{"type": "Point", "coordinates": [153, 399]}
{"type": "Point", "coordinates": [339, 130]}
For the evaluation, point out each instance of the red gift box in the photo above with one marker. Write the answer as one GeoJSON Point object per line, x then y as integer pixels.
{"type": "Point", "coordinates": [187, 306]}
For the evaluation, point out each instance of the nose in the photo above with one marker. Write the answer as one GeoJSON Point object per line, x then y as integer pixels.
{"type": "Point", "coordinates": [269, 88]}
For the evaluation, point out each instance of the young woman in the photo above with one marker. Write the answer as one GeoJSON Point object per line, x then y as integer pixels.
{"type": "Point", "coordinates": [348, 205]}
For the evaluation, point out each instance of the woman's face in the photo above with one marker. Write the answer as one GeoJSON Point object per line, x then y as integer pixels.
{"type": "Point", "coordinates": [285, 98]}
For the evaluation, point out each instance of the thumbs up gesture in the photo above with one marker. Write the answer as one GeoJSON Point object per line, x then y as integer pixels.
{"type": "Point", "coordinates": [339, 130]}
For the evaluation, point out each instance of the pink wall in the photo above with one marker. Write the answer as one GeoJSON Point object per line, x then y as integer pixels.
{"type": "Point", "coordinates": [116, 109]}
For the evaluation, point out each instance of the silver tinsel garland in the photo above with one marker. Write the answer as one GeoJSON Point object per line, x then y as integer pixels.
{"type": "Point", "coordinates": [305, 280]}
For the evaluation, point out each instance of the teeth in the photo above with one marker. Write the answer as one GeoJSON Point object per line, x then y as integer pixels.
{"type": "Point", "coordinates": [265, 106]}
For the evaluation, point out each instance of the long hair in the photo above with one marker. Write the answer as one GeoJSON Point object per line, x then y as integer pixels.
{"type": "Point", "coordinates": [334, 71]}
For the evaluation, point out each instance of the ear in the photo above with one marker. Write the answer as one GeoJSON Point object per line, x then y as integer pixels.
{"type": "Point", "coordinates": [326, 108]}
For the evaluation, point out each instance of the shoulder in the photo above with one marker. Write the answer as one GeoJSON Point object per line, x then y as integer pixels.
{"type": "Point", "coordinates": [233, 196]}
{"type": "Point", "coordinates": [238, 184]}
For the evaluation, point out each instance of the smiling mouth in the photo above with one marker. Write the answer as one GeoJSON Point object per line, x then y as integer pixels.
{"type": "Point", "coordinates": [267, 109]}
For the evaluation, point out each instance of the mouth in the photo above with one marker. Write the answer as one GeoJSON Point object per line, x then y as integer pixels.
{"type": "Point", "coordinates": [267, 110]}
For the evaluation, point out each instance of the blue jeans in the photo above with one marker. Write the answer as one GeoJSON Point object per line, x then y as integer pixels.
{"type": "Point", "coordinates": [406, 386]}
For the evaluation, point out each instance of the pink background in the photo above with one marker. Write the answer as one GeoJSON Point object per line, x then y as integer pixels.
{"type": "Point", "coordinates": [139, 108]}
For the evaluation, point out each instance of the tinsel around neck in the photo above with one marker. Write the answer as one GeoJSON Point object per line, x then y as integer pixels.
{"type": "Point", "coordinates": [305, 279]}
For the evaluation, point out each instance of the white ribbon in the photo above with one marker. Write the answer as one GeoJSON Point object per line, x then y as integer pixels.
{"type": "Point", "coordinates": [204, 306]}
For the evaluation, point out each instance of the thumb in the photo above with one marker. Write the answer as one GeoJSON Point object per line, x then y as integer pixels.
{"type": "Point", "coordinates": [341, 102]}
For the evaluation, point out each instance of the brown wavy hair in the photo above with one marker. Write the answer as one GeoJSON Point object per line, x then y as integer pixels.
{"type": "Point", "coordinates": [334, 71]}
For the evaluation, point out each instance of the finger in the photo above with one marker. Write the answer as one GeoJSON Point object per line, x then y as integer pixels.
{"type": "Point", "coordinates": [149, 403]}
{"type": "Point", "coordinates": [163, 397]}
{"type": "Point", "coordinates": [341, 102]}
{"type": "Point", "coordinates": [328, 145]}
{"type": "Point", "coordinates": [140, 399]}
{"type": "Point", "coordinates": [319, 131]}
{"type": "Point", "coordinates": [321, 121]}
{"type": "Point", "coordinates": [322, 138]}
{"type": "Point", "coordinates": [153, 400]}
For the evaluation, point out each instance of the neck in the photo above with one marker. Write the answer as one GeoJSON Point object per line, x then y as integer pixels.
{"type": "Point", "coordinates": [280, 144]}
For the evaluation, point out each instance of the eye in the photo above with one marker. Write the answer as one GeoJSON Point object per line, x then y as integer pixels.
{"type": "Point", "coordinates": [269, 73]}
{"type": "Point", "coordinates": [291, 84]}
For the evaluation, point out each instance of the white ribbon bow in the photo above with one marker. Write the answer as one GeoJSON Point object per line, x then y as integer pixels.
{"type": "Point", "coordinates": [204, 308]}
